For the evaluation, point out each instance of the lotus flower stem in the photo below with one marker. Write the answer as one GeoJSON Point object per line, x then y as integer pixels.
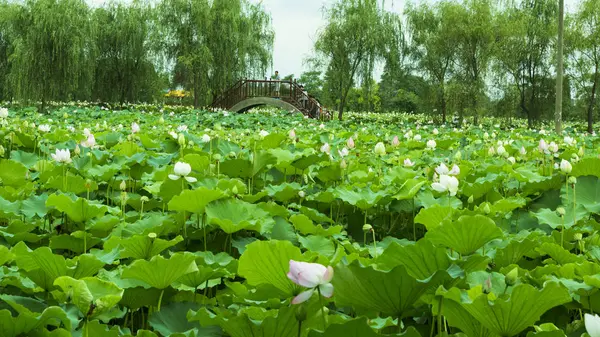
{"type": "Point", "coordinates": [322, 310]}
{"type": "Point", "coordinates": [374, 244]}
{"type": "Point", "coordinates": [574, 206]}
{"type": "Point", "coordinates": [162, 292]}
{"type": "Point", "coordinates": [439, 316]}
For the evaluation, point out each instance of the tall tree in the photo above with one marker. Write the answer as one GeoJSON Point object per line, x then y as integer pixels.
{"type": "Point", "coordinates": [354, 38]}
{"type": "Point", "coordinates": [473, 34]}
{"type": "Point", "coordinates": [432, 47]}
{"type": "Point", "coordinates": [585, 42]}
{"type": "Point", "coordinates": [215, 43]}
{"type": "Point", "coordinates": [559, 67]}
{"type": "Point", "coordinates": [52, 54]}
{"type": "Point", "coordinates": [525, 31]}
{"type": "Point", "coordinates": [8, 12]}
{"type": "Point", "coordinates": [124, 69]}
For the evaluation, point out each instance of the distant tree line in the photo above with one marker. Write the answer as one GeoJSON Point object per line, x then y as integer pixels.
{"type": "Point", "coordinates": [465, 58]}
{"type": "Point", "coordinates": [61, 50]}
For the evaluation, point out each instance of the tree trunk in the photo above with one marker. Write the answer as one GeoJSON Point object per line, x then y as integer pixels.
{"type": "Point", "coordinates": [196, 91]}
{"type": "Point", "coordinates": [559, 68]}
{"type": "Point", "coordinates": [590, 112]}
{"type": "Point", "coordinates": [443, 101]}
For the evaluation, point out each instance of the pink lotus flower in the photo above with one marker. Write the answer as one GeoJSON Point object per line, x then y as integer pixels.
{"type": "Point", "coordinates": [350, 143]}
{"type": "Point", "coordinates": [408, 163]}
{"type": "Point", "coordinates": [135, 128]}
{"type": "Point", "coordinates": [395, 141]}
{"type": "Point", "coordinates": [292, 134]}
{"type": "Point", "coordinates": [313, 276]}
{"type": "Point", "coordinates": [326, 148]}
{"type": "Point", "coordinates": [89, 142]}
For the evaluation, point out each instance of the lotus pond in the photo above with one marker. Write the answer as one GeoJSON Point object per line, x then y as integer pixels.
{"type": "Point", "coordinates": [176, 222]}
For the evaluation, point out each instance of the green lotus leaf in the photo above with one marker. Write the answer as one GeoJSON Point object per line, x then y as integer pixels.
{"type": "Point", "coordinates": [92, 296]}
{"type": "Point", "coordinates": [268, 262]}
{"type": "Point", "coordinates": [551, 218]}
{"type": "Point", "coordinates": [421, 259]}
{"type": "Point", "coordinates": [559, 254]}
{"type": "Point", "coordinates": [74, 184]}
{"type": "Point", "coordinates": [12, 173]}
{"type": "Point", "coordinates": [357, 328]}
{"type": "Point", "coordinates": [159, 272]}
{"type": "Point", "coordinates": [363, 199]}
{"type": "Point", "coordinates": [304, 162]}
{"type": "Point", "coordinates": [587, 194]}
{"type": "Point", "coordinates": [28, 324]}
{"type": "Point", "coordinates": [74, 242]}
{"type": "Point", "coordinates": [408, 189]}
{"type": "Point", "coordinates": [9, 209]}
{"type": "Point", "coordinates": [194, 201]}
{"type": "Point", "coordinates": [171, 321]}
{"type": "Point", "coordinates": [391, 292]}
{"type": "Point", "coordinates": [586, 167]}
{"type": "Point", "coordinates": [433, 216]}
{"type": "Point", "coordinates": [465, 235]}
{"type": "Point", "coordinates": [233, 215]}
{"type": "Point", "coordinates": [26, 158]}
{"type": "Point", "coordinates": [284, 192]}
{"type": "Point", "coordinates": [283, 324]}
{"type": "Point", "coordinates": [35, 205]}
{"type": "Point", "coordinates": [140, 246]}
{"type": "Point", "coordinates": [77, 209]}
{"type": "Point", "coordinates": [506, 315]}
{"type": "Point", "coordinates": [238, 168]}
{"type": "Point", "coordinates": [319, 244]}
{"type": "Point", "coordinates": [198, 162]}
{"type": "Point", "coordinates": [40, 265]}
{"type": "Point", "coordinates": [514, 252]}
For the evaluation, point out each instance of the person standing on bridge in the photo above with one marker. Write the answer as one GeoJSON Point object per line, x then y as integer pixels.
{"type": "Point", "coordinates": [277, 78]}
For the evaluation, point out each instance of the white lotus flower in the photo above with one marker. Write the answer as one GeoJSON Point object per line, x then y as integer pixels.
{"type": "Point", "coordinates": [408, 163]}
{"type": "Point", "coordinates": [350, 143]}
{"type": "Point", "coordinates": [431, 144]}
{"type": "Point", "coordinates": [553, 147]}
{"type": "Point", "coordinates": [173, 134]}
{"type": "Point", "coordinates": [565, 166]}
{"type": "Point", "coordinates": [344, 152]}
{"type": "Point", "coordinates": [435, 132]}
{"type": "Point", "coordinates": [326, 148]}
{"type": "Point", "coordinates": [62, 156]}
{"type": "Point", "coordinates": [3, 113]}
{"type": "Point", "coordinates": [44, 128]}
{"type": "Point", "coordinates": [135, 128]}
{"type": "Point", "coordinates": [417, 137]}
{"type": "Point", "coordinates": [491, 151]}
{"type": "Point", "coordinates": [89, 142]}
{"type": "Point", "coordinates": [442, 169]}
{"type": "Point", "coordinates": [206, 138]}
{"type": "Point", "coordinates": [500, 150]}
{"type": "Point", "coordinates": [182, 128]}
{"type": "Point", "coordinates": [182, 170]}
{"type": "Point", "coordinates": [292, 134]}
{"type": "Point", "coordinates": [380, 149]}
{"type": "Point", "coordinates": [322, 126]}
{"type": "Point", "coordinates": [455, 170]}
{"type": "Point", "coordinates": [408, 134]}
{"type": "Point", "coordinates": [569, 140]}
{"type": "Point", "coordinates": [263, 133]}
{"type": "Point", "coordinates": [543, 146]}
{"type": "Point", "coordinates": [86, 132]}
{"type": "Point", "coordinates": [512, 160]}
{"type": "Point", "coordinates": [446, 184]}
{"type": "Point", "coordinates": [522, 151]}
{"type": "Point", "coordinates": [592, 325]}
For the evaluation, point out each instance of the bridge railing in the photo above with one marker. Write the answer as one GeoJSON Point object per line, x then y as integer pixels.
{"type": "Point", "coordinates": [289, 91]}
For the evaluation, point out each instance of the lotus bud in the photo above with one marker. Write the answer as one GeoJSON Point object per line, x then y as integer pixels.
{"type": "Point", "coordinates": [301, 194]}
{"type": "Point", "coordinates": [234, 190]}
{"type": "Point", "coordinates": [470, 200]}
{"type": "Point", "coordinates": [217, 157]}
{"type": "Point", "coordinates": [231, 154]}
{"type": "Point", "coordinates": [560, 211]}
{"type": "Point", "coordinates": [77, 150]}
{"type": "Point", "coordinates": [572, 180]}
{"type": "Point", "coordinates": [123, 185]}
{"type": "Point", "coordinates": [578, 236]}
{"type": "Point", "coordinates": [144, 199]}
{"type": "Point", "coordinates": [367, 228]}
{"type": "Point", "coordinates": [2, 151]}
{"type": "Point", "coordinates": [152, 235]}
{"type": "Point", "coordinates": [512, 276]}
{"type": "Point", "coordinates": [181, 139]}
{"type": "Point", "coordinates": [161, 120]}
{"type": "Point", "coordinates": [458, 155]}
{"type": "Point", "coordinates": [343, 164]}
{"type": "Point", "coordinates": [486, 208]}
{"type": "Point", "coordinates": [301, 313]}
{"type": "Point", "coordinates": [581, 152]}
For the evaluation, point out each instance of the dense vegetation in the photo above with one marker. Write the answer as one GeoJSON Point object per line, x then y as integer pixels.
{"type": "Point", "coordinates": [465, 58]}
{"type": "Point", "coordinates": [177, 222]}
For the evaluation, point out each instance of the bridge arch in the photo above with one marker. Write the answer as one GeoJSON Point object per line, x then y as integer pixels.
{"type": "Point", "coordinates": [250, 103]}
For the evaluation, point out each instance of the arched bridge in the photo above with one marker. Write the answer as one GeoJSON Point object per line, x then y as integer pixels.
{"type": "Point", "coordinates": [286, 95]}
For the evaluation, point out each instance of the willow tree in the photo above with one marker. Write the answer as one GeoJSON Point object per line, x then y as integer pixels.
{"type": "Point", "coordinates": [7, 13]}
{"type": "Point", "coordinates": [431, 46]}
{"type": "Point", "coordinates": [215, 43]}
{"type": "Point", "coordinates": [52, 53]}
{"type": "Point", "coordinates": [124, 69]}
{"type": "Point", "coordinates": [355, 37]}
{"type": "Point", "coordinates": [585, 41]}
